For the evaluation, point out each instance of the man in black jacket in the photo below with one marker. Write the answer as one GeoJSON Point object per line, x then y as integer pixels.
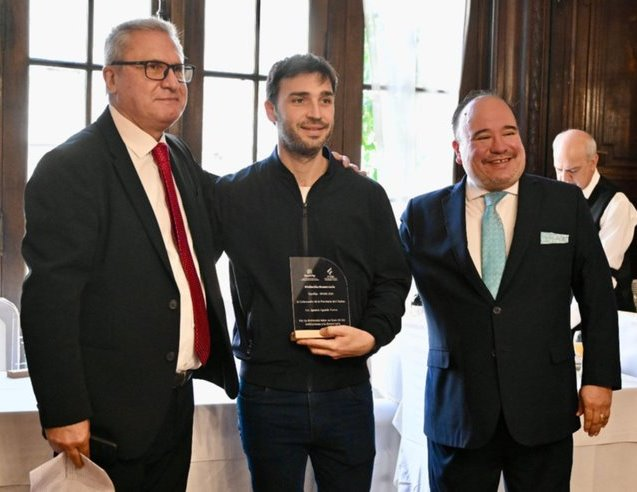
{"type": "Point", "coordinates": [311, 397]}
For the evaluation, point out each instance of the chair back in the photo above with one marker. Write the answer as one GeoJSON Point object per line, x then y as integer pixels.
{"type": "Point", "coordinates": [11, 347]}
{"type": "Point", "coordinates": [628, 342]}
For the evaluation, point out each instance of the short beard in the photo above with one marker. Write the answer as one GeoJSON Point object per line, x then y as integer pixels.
{"type": "Point", "coordinates": [295, 144]}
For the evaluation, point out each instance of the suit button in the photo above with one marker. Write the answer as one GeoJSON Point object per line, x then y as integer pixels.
{"type": "Point", "coordinates": [497, 310]}
{"type": "Point", "coordinates": [173, 304]}
{"type": "Point", "coordinates": [493, 353]}
{"type": "Point", "coordinates": [170, 356]}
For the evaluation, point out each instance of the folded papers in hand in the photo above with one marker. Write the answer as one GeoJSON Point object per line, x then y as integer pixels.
{"type": "Point", "coordinates": [61, 475]}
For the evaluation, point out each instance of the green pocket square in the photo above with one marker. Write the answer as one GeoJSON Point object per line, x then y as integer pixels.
{"type": "Point", "coordinates": [553, 238]}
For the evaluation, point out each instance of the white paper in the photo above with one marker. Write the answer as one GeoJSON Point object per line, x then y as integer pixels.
{"type": "Point", "coordinates": [61, 475]}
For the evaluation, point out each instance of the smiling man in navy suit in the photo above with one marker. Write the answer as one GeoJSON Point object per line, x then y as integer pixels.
{"type": "Point", "coordinates": [501, 392]}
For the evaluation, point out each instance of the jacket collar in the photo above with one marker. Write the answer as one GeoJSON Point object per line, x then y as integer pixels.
{"type": "Point", "coordinates": [525, 230]}
{"type": "Point", "coordinates": [132, 185]}
{"type": "Point", "coordinates": [332, 166]}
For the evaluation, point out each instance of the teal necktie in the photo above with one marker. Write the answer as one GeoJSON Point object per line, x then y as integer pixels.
{"type": "Point", "coordinates": [492, 247]}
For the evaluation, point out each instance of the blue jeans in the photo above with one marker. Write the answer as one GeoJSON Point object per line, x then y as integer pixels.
{"type": "Point", "coordinates": [281, 429]}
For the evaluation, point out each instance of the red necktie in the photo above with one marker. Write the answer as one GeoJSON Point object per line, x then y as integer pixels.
{"type": "Point", "coordinates": [202, 330]}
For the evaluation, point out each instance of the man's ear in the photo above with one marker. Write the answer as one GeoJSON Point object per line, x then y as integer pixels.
{"type": "Point", "coordinates": [456, 151]}
{"type": "Point", "coordinates": [270, 111]}
{"type": "Point", "coordinates": [595, 160]}
{"type": "Point", "coordinates": [109, 78]}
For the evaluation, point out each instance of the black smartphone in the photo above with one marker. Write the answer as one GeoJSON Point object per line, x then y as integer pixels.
{"type": "Point", "coordinates": [103, 451]}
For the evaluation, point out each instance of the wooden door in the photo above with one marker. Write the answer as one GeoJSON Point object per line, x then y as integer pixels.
{"type": "Point", "coordinates": [593, 84]}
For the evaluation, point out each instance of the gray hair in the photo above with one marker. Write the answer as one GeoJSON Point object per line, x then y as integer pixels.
{"type": "Point", "coordinates": [591, 145]}
{"type": "Point", "coordinates": [117, 41]}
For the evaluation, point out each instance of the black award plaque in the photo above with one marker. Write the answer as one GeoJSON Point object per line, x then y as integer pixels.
{"type": "Point", "coordinates": [320, 296]}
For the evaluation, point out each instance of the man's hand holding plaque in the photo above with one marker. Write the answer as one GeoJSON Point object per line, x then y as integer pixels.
{"type": "Point", "coordinates": [340, 341]}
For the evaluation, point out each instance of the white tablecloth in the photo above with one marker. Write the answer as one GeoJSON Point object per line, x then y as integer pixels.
{"type": "Point", "coordinates": [605, 463]}
{"type": "Point", "coordinates": [218, 463]}
{"type": "Point", "coordinates": [628, 342]}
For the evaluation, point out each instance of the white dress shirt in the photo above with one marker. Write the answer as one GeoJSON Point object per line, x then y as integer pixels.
{"type": "Point", "coordinates": [616, 226]}
{"type": "Point", "coordinates": [507, 209]}
{"type": "Point", "coordinates": [616, 229]}
{"type": "Point", "coordinates": [139, 145]}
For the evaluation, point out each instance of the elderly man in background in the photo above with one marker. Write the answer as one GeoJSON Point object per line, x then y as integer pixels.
{"type": "Point", "coordinates": [575, 159]}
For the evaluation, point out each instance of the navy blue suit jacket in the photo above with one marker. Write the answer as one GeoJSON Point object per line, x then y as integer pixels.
{"type": "Point", "coordinates": [512, 355]}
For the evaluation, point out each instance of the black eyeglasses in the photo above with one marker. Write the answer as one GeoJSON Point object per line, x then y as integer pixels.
{"type": "Point", "coordinates": [157, 70]}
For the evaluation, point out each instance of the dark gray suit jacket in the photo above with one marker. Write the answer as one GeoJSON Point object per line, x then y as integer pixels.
{"type": "Point", "coordinates": [100, 306]}
{"type": "Point", "coordinates": [512, 355]}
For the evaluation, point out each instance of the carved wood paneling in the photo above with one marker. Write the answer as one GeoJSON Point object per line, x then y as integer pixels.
{"type": "Point", "coordinates": [614, 67]}
{"type": "Point", "coordinates": [521, 69]}
{"type": "Point", "coordinates": [594, 81]}
{"type": "Point", "coordinates": [336, 33]}
{"type": "Point", "coordinates": [507, 50]}
{"type": "Point", "coordinates": [189, 17]}
{"type": "Point", "coordinates": [561, 64]}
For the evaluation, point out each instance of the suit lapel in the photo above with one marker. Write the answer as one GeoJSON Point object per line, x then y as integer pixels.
{"type": "Point", "coordinates": [132, 186]}
{"type": "Point", "coordinates": [453, 210]}
{"type": "Point", "coordinates": [526, 229]}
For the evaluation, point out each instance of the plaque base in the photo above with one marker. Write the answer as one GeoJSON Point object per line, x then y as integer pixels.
{"type": "Point", "coordinates": [17, 373]}
{"type": "Point", "coordinates": [304, 334]}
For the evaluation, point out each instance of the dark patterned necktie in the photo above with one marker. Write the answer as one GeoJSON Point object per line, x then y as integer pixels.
{"type": "Point", "coordinates": [202, 329]}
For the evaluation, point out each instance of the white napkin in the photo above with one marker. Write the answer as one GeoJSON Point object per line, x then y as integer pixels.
{"type": "Point", "coordinates": [61, 475]}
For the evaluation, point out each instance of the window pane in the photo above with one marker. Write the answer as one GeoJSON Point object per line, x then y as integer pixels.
{"type": "Point", "coordinates": [368, 141]}
{"type": "Point", "coordinates": [444, 25]}
{"type": "Point", "coordinates": [434, 164]}
{"type": "Point", "coordinates": [53, 119]}
{"type": "Point", "coordinates": [51, 40]}
{"type": "Point", "coordinates": [109, 13]}
{"type": "Point", "coordinates": [227, 125]}
{"type": "Point", "coordinates": [367, 77]}
{"type": "Point", "coordinates": [266, 133]}
{"type": "Point", "coordinates": [280, 39]}
{"type": "Point", "coordinates": [406, 130]}
{"type": "Point", "coordinates": [230, 35]}
{"type": "Point", "coordinates": [99, 101]}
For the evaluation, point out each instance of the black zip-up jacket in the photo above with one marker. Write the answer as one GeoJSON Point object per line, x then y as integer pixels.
{"type": "Point", "coordinates": [261, 221]}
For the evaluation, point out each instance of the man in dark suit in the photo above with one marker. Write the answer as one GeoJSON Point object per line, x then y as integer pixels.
{"type": "Point", "coordinates": [116, 315]}
{"type": "Point", "coordinates": [501, 392]}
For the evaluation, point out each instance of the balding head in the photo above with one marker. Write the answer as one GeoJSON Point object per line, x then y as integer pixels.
{"type": "Point", "coordinates": [575, 157]}
{"type": "Point", "coordinates": [487, 141]}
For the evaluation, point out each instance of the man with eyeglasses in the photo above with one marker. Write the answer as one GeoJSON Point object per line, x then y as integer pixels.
{"type": "Point", "coordinates": [157, 70]}
{"type": "Point", "coordinates": [122, 304]}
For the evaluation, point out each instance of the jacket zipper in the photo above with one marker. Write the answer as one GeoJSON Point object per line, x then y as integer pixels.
{"type": "Point", "coordinates": [306, 252]}
{"type": "Point", "coordinates": [304, 228]}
